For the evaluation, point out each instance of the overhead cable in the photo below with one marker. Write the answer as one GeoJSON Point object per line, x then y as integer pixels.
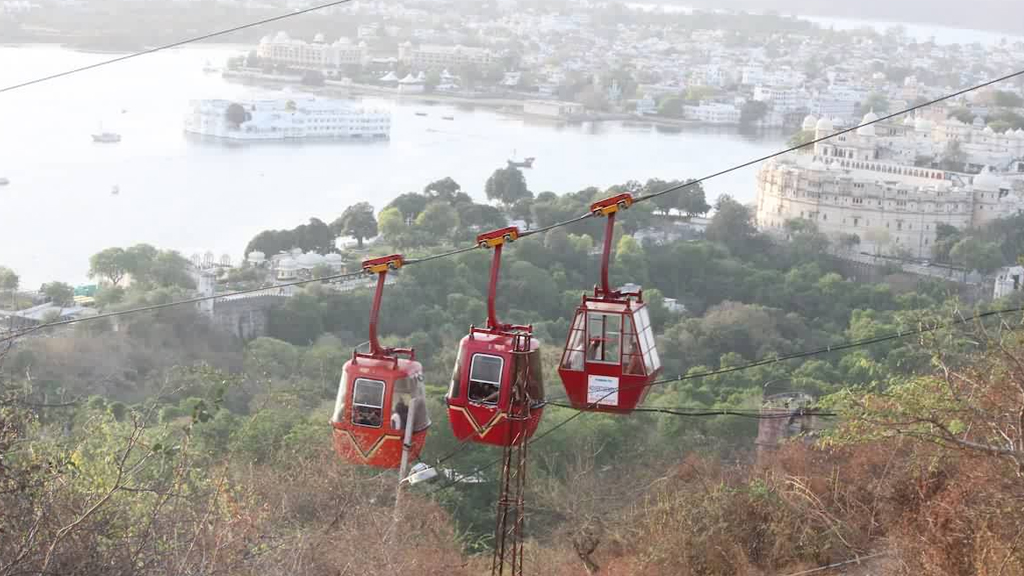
{"type": "Point", "coordinates": [172, 45]}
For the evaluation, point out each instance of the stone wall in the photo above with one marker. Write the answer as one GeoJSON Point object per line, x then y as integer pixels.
{"type": "Point", "coordinates": [246, 318]}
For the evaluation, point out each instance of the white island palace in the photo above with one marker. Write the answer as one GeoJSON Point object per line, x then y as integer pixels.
{"type": "Point", "coordinates": [286, 119]}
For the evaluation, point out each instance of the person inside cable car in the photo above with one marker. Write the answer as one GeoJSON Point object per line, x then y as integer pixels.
{"type": "Point", "coordinates": [368, 403]}
{"type": "Point", "coordinates": [399, 415]}
{"type": "Point", "coordinates": [485, 378]}
{"type": "Point", "coordinates": [633, 363]}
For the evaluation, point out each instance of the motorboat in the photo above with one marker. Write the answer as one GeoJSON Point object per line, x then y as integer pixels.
{"type": "Point", "coordinates": [525, 163]}
{"type": "Point", "coordinates": [106, 137]}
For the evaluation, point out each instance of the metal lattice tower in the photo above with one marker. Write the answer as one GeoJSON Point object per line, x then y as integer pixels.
{"type": "Point", "coordinates": [511, 513]}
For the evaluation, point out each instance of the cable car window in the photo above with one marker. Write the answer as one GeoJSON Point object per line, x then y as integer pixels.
{"type": "Point", "coordinates": [453, 388]}
{"type": "Point", "coordinates": [604, 332]}
{"type": "Point", "coordinates": [632, 354]}
{"type": "Point", "coordinates": [528, 367]}
{"type": "Point", "coordinates": [574, 349]}
{"type": "Point", "coordinates": [647, 342]}
{"type": "Point", "coordinates": [652, 360]}
{"type": "Point", "coordinates": [368, 402]}
{"type": "Point", "coordinates": [339, 404]}
{"type": "Point", "coordinates": [409, 394]}
{"type": "Point", "coordinates": [485, 378]}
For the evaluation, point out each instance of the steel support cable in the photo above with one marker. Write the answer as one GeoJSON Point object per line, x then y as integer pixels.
{"type": "Point", "coordinates": [196, 300]}
{"type": "Point", "coordinates": [733, 412]}
{"type": "Point", "coordinates": [175, 44]}
{"type": "Point", "coordinates": [755, 414]}
{"type": "Point", "coordinates": [530, 232]}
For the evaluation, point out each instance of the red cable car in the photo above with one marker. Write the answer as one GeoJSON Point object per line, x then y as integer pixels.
{"type": "Point", "coordinates": [380, 417]}
{"type": "Point", "coordinates": [610, 357]}
{"type": "Point", "coordinates": [497, 389]}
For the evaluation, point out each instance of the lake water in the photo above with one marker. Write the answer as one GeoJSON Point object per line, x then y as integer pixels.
{"type": "Point", "coordinates": [919, 32]}
{"type": "Point", "coordinates": [193, 196]}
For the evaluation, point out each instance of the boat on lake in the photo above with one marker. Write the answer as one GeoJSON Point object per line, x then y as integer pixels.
{"type": "Point", "coordinates": [106, 137]}
{"type": "Point", "coordinates": [525, 163]}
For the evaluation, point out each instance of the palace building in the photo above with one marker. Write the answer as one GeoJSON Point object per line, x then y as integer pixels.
{"type": "Point", "coordinates": [868, 183]}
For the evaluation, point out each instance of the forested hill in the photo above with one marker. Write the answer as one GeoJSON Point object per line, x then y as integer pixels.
{"type": "Point", "coordinates": [167, 446]}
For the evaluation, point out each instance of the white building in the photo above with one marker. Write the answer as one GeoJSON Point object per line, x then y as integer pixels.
{"type": "Point", "coordinates": [552, 108]}
{"type": "Point", "coordinates": [858, 184]}
{"type": "Point", "coordinates": [646, 105]}
{"type": "Point", "coordinates": [713, 113]}
{"type": "Point", "coordinates": [297, 118]}
{"type": "Point", "coordinates": [781, 98]}
{"type": "Point", "coordinates": [433, 56]}
{"type": "Point", "coordinates": [1008, 281]}
{"type": "Point", "coordinates": [317, 55]}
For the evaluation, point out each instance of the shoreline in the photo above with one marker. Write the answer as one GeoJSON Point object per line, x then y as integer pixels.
{"type": "Point", "coordinates": [508, 106]}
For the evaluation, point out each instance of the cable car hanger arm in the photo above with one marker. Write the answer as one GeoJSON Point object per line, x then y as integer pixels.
{"type": "Point", "coordinates": [497, 239]}
{"type": "Point", "coordinates": [380, 267]}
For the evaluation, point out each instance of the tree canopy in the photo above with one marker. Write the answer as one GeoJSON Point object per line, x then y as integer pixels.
{"type": "Point", "coordinates": [356, 221]}
{"type": "Point", "coordinates": [507, 185]}
{"type": "Point", "coordinates": [59, 293]}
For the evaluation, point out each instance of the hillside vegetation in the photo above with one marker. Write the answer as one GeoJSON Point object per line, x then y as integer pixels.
{"type": "Point", "coordinates": [167, 447]}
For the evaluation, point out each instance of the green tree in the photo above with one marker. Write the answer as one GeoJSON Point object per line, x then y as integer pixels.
{"type": "Point", "coordinates": [1005, 99]}
{"type": "Point", "coordinates": [800, 138]}
{"type": "Point", "coordinates": [507, 185]}
{"type": "Point", "coordinates": [391, 224]}
{"type": "Point", "coordinates": [59, 293]}
{"type": "Point", "coordinates": [671, 107]}
{"type": "Point", "coordinates": [409, 204]}
{"type": "Point", "coordinates": [695, 94]}
{"type": "Point", "coordinates": [876, 102]}
{"type": "Point", "coordinates": [439, 219]}
{"type": "Point", "coordinates": [480, 217]}
{"type": "Point", "coordinates": [692, 199]}
{"type": "Point", "coordinates": [953, 156]}
{"type": "Point", "coordinates": [432, 80]}
{"type": "Point", "coordinates": [752, 112]}
{"type": "Point", "coordinates": [446, 190]}
{"type": "Point", "coordinates": [962, 114]}
{"type": "Point", "coordinates": [9, 281]}
{"type": "Point", "coordinates": [111, 264]}
{"type": "Point", "coordinates": [732, 226]}
{"type": "Point", "coordinates": [272, 357]}
{"type": "Point", "coordinates": [108, 295]}
{"type": "Point", "coordinates": [975, 254]}
{"type": "Point", "coordinates": [630, 264]}
{"type": "Point", "coordinates": [170, 269]}
{"type": "Point", "coordinates": [252, 60]}
{"type": "Point", "coordinates": [356, 221]}
{"type": "Point", "coordinates": [236, 114]}
{"type": "Point", "coordinates": [139, 259]}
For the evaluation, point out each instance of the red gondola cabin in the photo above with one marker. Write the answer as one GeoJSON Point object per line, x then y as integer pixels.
{"type": "Point", "coordinates": [376, 399]}
{"type": "Point", "coordinates": [610, 357]}
{"type": "Point", "coordinates": [497, 389]}
{"type": "Point", "coordinates": [381, 403]}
